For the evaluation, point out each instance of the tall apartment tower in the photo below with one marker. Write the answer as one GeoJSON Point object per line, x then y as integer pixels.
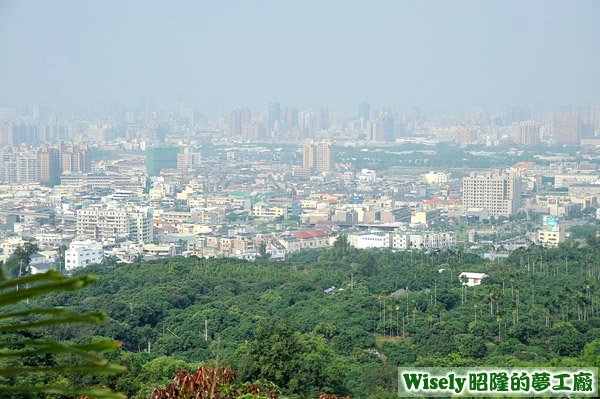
{"type": "Point", "coordinates": [49, 165]}
{"type": "Point", "coordinates": [322, 119]}
{"type": "Point", "coordinates": [308, 155]}
{"type": "Point", "coordinates": [102, 222]}
{"type": "Point", "coordinates": [498, 192]}
{"type": "Point", "coordinates": [317, 156]}
{"type": "Point", "coordinates": [364, 111]}
{"type": "Point", "coordinates": [6, 135]}
{"type": "Point", "coordinates": [291, 118]}
{"type": "Point", "coordinates": [27, 167]}
{"type": "Point", "coordinates": [159, 157]}
{"type": "Point", "coordinates": [238, 119]}
{"type": "Point", "coordinates": [18, 165]}
{"type": "Point", "coordinates": [74, 159]}
{"type": "Point", "coordinates": [566, 128]}
{"type": "Point", "coordinates": [188, 159]}
{"type": "Point", "coordinates": [527, 133]}
{"type": "Point", "coordinates": [381, 129]}
{"type": "Point", "coordinates": [273, 116]}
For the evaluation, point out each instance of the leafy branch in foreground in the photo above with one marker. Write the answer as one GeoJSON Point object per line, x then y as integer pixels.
{"type": "Point", "coordinates": [20, 339]}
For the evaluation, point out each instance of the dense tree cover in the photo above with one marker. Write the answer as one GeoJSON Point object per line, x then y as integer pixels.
{"type": "Point", "coordinates": [413, 155]}
{"type": "Point", "coordinates": [274, 321]}
{"type": "Point", "coordinates": [446, 155]}
{"type": "Point", "coordinates": [592, 227]}
{"type": "Point", "coordinates": [18, 263]}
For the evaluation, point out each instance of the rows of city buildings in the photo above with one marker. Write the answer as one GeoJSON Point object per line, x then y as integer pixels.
{"type": "Point", "coordinates": [148, 187]}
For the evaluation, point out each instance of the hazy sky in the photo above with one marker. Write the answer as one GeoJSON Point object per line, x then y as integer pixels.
{"type": "Point", "coordinates": [439, 55]}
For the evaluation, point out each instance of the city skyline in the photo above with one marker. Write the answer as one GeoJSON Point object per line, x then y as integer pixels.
{"type": "Point", "coordinates": [299, 199]}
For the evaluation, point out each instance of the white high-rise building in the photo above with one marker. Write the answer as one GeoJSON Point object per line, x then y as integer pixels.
{"type": "Point", "coordinates": [110, 221]}
{"type": "Point", "coordinates": [19, 165]}
{"type": "Point", "coordinates": [498, 192]}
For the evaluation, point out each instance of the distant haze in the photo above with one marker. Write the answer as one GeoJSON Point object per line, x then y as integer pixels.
{"type": "Point", "coordinates": [439, 55]}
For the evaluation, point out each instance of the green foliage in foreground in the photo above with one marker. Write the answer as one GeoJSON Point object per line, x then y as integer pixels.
{"type": "Point", "coordinates": [272, 320]}
{"type": "Point", "coordinates": [214, 383]}
{"type": "Point", "coordinates": [30, 362]}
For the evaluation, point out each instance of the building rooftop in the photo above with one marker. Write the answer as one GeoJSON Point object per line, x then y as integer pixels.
{"type": "Point", "coordinates": [310, 234]}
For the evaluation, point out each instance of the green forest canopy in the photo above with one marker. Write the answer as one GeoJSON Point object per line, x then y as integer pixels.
{"type": "Point", "coordinates": [273, 320]}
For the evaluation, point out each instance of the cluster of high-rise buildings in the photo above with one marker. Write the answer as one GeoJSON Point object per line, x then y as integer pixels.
{"type": "Point", "coordinates": [291, 123]}
{"type": "Point", "coordinates": [277, 123]}
{"type": "Point", "coordinates": [565, 126]}
{"type": "Point", "coordinates": [15, 131]}
{"type": "Point", "coordinates": [290, 179]}
{"type": "Point", "coordinates": [43, 164]}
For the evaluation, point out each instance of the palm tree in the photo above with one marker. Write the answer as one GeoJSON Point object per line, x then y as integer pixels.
{"type": "Point", "coordinates": [475, 308]}
{"type": "Point", "coordinates": [414, 310]}
{"type": "Point", "coordinates": [493, 296]}
{"type": "Point", "coordinates": [582, 306]}
{"type": "Point", "coordinates": [499, 320]}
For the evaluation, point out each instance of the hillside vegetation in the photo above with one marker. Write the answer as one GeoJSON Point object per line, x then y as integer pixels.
{"type": "Point", "coordinates": [274, 321]}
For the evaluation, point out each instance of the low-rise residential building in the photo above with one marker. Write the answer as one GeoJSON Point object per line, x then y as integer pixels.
{"type": "Point", "coordinates": [10, 244]}
{"type": "Point", "coordinates": [425, 218]}
{"type": "Point", "coordinates": [471, 279]}
{"type": "Point", "coordinates": [102, 181]}
{"type": "Point", "coordinates": [567, 180]}
{"type": "Point", "coordinates": [267, 211]}
{"type": "Point", "coordinates": [432, 240]}
{"type": "Point", "coordinates": [403, 240]}
{"type": "Point", "coordinates": [159, 251]}
{"type": "Point", "coordinates": [49, 239]}
{"type": "Point", "coordinates": [369, 240]}
{"type": "Point", "coordinates": [40, 268]}
{"type": "Point", "coordinates": [399, 214]}
{"type": "Point", "coordinates": [83, 253]}
{"type": "Point", "coordinates": [550, 238]}
{"type": "Point", "coordinates": [436, 177]}
{"type": "Point", "coordinates": [305, 240]}
{"type": "Point", "coordinates": [43, 257]}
